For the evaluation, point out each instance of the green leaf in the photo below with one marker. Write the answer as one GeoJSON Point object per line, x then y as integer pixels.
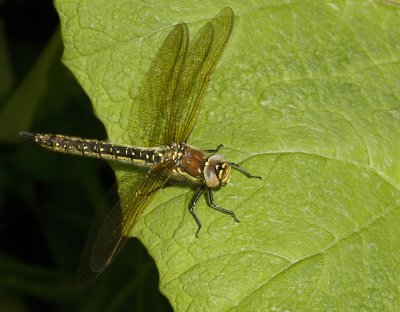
{"type": "Point", "coordinates": [307, 95]}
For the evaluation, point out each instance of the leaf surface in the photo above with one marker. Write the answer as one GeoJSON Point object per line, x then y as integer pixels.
{"type": "Point", "coordinates": [307, 95]}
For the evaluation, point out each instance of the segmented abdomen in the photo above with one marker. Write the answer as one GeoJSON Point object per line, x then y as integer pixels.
{"type": "Point", "coordinates": [95, 148]}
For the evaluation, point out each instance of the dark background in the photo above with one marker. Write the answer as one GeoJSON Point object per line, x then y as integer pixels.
{"type": "Point", "coordinates": [48, 200]}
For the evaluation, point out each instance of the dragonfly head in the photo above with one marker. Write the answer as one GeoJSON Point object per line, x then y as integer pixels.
{"type": "Point", "coordinates": [217, 171]}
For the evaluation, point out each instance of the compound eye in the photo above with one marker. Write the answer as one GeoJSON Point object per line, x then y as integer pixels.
{"type": "Point", "coordinates": [223, 172]}
{"type": "Point", "coordinates": [217, 171]}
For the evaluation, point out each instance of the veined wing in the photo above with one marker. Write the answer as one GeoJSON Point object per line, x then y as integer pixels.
{"type": "Point", "coordinates": [158, 91]}
{"type": "Point", "coordinates": [202, 57]}
{"type": "Point", "coordinates": [104, 241]}
{"type": "Point", "coordinates": [169, 101]}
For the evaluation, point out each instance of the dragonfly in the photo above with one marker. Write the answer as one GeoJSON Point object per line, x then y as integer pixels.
{"type": "Point", "coordinates": [168, 106]}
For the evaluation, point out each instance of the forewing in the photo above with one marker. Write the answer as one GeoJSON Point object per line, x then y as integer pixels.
{"type": "Point", "coordinates": [148, 118]}
{"type": "Point", "coordinates": [202, 57]}
{"type": "Point", "coordinates": [105, 241]}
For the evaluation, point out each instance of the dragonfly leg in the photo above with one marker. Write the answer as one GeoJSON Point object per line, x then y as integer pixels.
{"type": "Point", "coordinates": [193, 212]}
{"type": "Point", "coordinates": [214, 150]}
{"type": "Point", "coordinates": [223, 210]}
{"type": "Point", "coordinates": [244, 171]}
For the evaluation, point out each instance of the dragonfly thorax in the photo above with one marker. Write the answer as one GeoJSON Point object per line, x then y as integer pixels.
{"type": "Point", "coordinates": [194, 165]}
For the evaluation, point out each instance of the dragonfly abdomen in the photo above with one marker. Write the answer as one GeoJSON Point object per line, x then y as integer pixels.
{"type": "Point", "coordinates": [96, 149]}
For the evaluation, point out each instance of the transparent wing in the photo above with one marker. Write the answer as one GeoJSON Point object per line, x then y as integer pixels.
{"type": "Point", "coordinates": [106, 238]}
{"type": "Point", "coordinates": [202, 57]}
{"type": "Point", "coordinates": [169, 102]}
{"type": "Point", "coordinates": [148, 118]}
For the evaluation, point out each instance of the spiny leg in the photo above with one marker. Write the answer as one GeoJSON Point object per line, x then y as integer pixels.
{"type": "Point", "coordinates": [194, 202]}
{"type": "Point", "coordinates": [223, 210]}
{"type": "Point", "coordinates": [214, 150]}
{"type": "Point", "coordinates": [244, 171]}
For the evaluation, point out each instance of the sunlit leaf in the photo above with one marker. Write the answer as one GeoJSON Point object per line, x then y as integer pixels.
{"type": "Point", "coordinates": [307, 96]}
